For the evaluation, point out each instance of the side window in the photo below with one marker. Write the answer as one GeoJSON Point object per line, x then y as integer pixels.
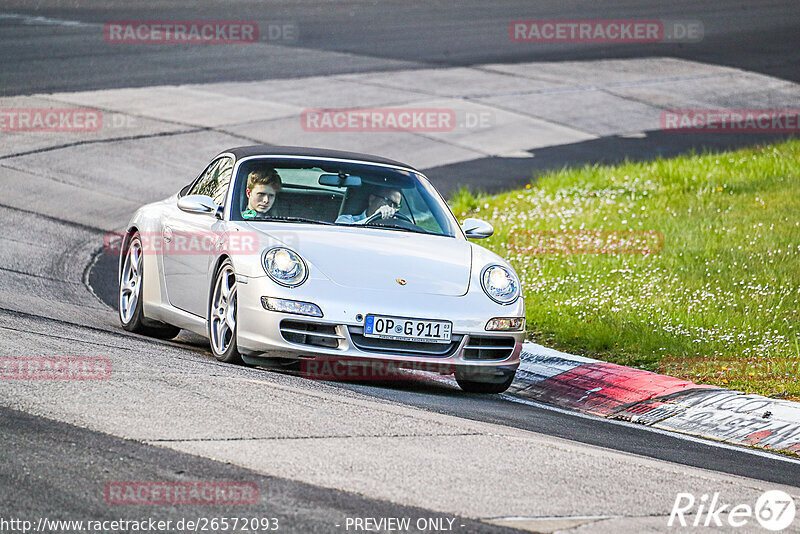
{"type": "Point", "coordinates": [215, 180]}
{"type": "Point", "coordinates": [224, 171]}
{"type": "Point", "coordinates": [207, 182]}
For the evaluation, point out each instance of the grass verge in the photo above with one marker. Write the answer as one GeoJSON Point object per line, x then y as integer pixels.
{"type": "Point", "coordinates": [685, 266]}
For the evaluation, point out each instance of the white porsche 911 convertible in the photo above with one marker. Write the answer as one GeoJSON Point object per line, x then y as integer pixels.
{"type": "Point", "coordinates": [309, 254]}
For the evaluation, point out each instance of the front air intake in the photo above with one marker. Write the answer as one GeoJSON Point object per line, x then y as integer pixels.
{"type": "Point", "coordinates": [308, 333]}
{"type": "Point", "coordinates": [489, 348]}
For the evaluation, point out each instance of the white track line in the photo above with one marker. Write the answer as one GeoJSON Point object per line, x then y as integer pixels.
{"type": "Point", "coordinates": [42, 21]}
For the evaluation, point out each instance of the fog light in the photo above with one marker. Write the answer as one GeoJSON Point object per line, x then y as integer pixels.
{"type": "Point", "coordinates": [506, 323]}
{"type": "Point", "coordinates": [291, 306]}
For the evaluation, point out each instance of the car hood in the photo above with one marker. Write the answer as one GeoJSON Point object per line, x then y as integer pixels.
{"type": "Point", "coordinates": [373, 259]}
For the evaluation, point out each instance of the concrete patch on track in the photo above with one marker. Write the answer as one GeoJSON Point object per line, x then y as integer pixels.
{"type": "Point", "coordinates": [24, 119]}
{"type": "Point", "coordinates": [618, 392]}
{"type": "Point", "coordinates": [500, 110]}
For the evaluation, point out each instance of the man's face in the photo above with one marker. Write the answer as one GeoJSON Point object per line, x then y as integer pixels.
{"type": "Point", "coordinates": [261, 198]}
{"type": "Point", "coordinates": [389, 197]}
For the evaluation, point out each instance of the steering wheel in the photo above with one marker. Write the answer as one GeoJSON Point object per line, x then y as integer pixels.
{"type": "Point", "coordinates": [397, 214]}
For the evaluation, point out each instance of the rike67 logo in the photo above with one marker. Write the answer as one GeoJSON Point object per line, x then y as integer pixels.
{"type": "Point", "coordinates": [774, 510]}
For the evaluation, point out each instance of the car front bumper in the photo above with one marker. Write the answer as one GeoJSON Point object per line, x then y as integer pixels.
{"type": "Point", "coordinates": [263, 333]}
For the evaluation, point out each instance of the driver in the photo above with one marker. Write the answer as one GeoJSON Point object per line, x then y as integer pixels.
{"type": "Point", "coordinates": [262, 188]}
{"type": "Point", "coordinates": [382, 200]}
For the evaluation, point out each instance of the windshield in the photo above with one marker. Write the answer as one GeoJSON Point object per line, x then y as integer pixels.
{"type": "Point", "coordinates": [339, 193]}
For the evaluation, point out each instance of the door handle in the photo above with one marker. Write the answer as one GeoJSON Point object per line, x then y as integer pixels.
{"type": "Point", "coordinates": [167, 234]}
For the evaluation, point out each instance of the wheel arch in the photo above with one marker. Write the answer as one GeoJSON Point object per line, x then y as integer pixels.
{"type": "Point", "coordinates": [213, 279]}
{"type": "Point", "coordinates": [126, 239]}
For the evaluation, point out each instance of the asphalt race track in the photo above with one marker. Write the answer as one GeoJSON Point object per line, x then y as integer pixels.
{"type": "Point", "coordinates": [322, 453]}
{"type": "Point", "coordinates": [348, 36]}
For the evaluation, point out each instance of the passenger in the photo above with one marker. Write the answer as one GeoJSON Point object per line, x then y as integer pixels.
{"type": "Point", "coordinates": [382, 200]}
{"type": "Point", "coordinates": [262, 188]}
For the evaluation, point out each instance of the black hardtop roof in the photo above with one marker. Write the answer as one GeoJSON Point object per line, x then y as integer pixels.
{"type": "Point", "coordinates": [272, 150]}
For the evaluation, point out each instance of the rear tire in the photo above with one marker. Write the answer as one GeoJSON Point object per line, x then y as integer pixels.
{"type": "Point", "coordinates": [223, 315]}
{"type": "Point", "coordinates": [486, 380]}
{"type": "Point", "coordinates": [131, 315]}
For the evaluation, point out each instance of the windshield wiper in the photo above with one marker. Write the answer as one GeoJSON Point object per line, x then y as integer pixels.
{"type": "Point", "coordinates": [402, 229]}
{"type": "Point", "coordinates": [291, 219]}
{"type": "Point", "coordinates": [387, 227]}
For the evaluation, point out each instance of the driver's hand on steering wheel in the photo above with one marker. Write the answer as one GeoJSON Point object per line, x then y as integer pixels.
{"type": "Point", "coordinates": [385, 211]}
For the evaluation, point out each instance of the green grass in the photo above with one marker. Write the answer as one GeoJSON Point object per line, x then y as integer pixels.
{"type": "Point", "coordinates": [717, 304]}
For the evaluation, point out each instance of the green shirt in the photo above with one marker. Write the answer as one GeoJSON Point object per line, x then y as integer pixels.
{"type": "Point", "coordinates": [251, 214]}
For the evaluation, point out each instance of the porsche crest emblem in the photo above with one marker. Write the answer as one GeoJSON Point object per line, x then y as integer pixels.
{"type": "Point", "coordinates": [400, 281]}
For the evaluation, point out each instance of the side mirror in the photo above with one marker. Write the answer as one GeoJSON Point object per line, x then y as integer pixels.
{"type": "Point", "coordinates": [477, 229]}
{"type": "Point", "coordinates": [200, 204]}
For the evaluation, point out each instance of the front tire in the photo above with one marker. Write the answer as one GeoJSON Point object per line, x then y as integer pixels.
{"type": "Point", "coordinates": [485, 380]}
{"type": "Point", "coordinates": [222, 315]}
{"type": "Point", "coordinates": [131, 315]}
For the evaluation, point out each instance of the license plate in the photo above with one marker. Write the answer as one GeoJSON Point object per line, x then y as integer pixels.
{"type": "Point", "coordinates": [404, 329]}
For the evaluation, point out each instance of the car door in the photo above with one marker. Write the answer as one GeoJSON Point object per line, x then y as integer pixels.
{"type": "Point", "coordinates": [189, 241]}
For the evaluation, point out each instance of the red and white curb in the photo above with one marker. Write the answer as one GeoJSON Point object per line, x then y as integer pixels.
{"type": "Point", "coordinates": [659, 401]}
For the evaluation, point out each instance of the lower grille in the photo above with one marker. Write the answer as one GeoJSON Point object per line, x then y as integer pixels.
{"type": "Point", "coordinates": [489, 348]}
{"type": "Point", "coordinates": [403, 348]}
{"type": "Point", "coordinates": [307, 333]}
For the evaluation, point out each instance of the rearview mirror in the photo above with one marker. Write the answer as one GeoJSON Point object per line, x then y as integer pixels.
{"type": "Point", "coordinates": [200, 204]}
{"type": "Point", "coordinates": [477, 229]}
{"type": "Point", "coordinates": [339, 180]}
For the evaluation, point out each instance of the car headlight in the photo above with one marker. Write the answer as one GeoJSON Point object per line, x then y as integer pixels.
{"type": "Point", "coordinates": [285, 266]}
{"type": "Point", "coordinates": [500, 284]}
